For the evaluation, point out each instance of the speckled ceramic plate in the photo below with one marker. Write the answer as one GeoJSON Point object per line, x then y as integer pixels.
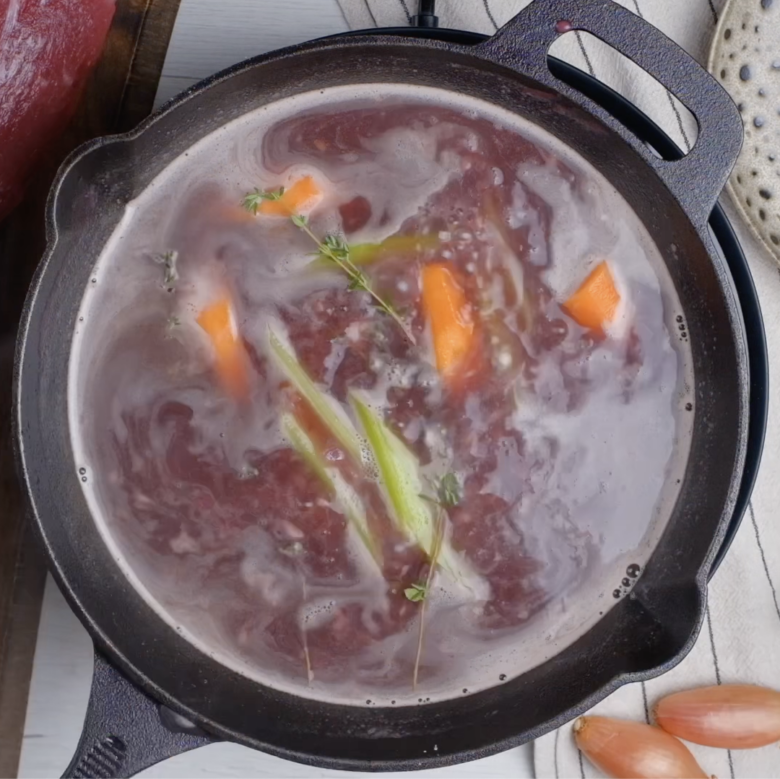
{"type": "Point", "coordinates": [745, 58]}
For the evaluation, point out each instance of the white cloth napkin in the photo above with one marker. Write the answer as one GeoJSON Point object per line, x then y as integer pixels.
{"type": "Point", "coordinates": [740, 641]}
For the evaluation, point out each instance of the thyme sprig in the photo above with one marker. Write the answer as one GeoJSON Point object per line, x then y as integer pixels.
{"type": "Point", "coordinates": [254, 199]}
{"type": "Point", "coordinates": [335, 250]}
{"type": "Point", "coordinates": [424, 589]}
{"type": "Point", "coordinates": [170, 272]}
{"type": "Point", "coordinates": [448, 495]}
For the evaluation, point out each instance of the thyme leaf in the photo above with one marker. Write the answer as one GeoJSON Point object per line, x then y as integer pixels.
{"type": "Point", "coordinates": [448, 493]}
{"type": "Point", "coordinates": [254, 199]}
{"type": "Point", "coordinates": [448, 490]}
{"type": "Point", "coordinates": [170, 273]}
{"type": "Point", "coordinates": [416, 593]}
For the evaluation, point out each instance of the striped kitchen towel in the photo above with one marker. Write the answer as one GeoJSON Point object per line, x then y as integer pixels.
{"type": "Point", "coordinates": [741, 636]}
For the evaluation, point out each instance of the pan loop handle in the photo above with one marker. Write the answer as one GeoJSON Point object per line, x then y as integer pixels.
{"type": "Point", "coordinates": [126, 731]}
{"type": "Point", "coordinates": [696, 180]}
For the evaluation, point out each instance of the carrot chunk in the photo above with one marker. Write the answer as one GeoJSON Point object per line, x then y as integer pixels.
{"type": "Point", "coordinates": [218, 320]}
{"type": "Point", "coordinates": [450, 315]}
{"type": "Point", "coordinates": [595, 303]}
{"type": "Point", "coordinates": [296, 199]}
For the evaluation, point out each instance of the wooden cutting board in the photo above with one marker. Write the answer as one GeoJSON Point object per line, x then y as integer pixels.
{"type": "Point", "coordinates": [119, 95]}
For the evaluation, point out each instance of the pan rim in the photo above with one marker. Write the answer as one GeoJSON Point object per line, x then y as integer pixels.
{"type": "Point", "coordinates": [105, 643]}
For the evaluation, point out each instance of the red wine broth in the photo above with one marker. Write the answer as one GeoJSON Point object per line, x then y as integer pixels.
{"type": "Point", "coordinates": [563, 443]}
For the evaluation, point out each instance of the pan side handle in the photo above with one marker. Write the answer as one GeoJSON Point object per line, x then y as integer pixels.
{"type": "Point", "coordinates": [697, 179]}
{"type": "Point", "coordinates": [126, 731]}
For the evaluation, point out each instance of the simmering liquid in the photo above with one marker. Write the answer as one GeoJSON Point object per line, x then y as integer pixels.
{"type": "Point", "coordinates": [370, 507]}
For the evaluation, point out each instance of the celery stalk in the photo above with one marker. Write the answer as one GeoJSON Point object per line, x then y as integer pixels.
{"type": "Point", "coordinates": [325, 408]}
{"type": "Point", "coordinates": [302, 444]}
{"type": "Point", "coordinates": [366, 253]}
{"type": "Point", "coordinates": [400, 473]}
{"type": "Point", "coordinates": [346, 497]}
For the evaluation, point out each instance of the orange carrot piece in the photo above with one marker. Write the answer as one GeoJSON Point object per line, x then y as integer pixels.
{"type": "Point", "coordinates": [595, 303]}
{"type": "Point", "coordinates": [218, 320]}
{"type": "Point", "coordinates": [450, 315]}
{"type": "Point", "coordinates": [296, 198]}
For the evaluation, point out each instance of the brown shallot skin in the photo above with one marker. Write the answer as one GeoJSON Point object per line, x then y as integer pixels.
{"type": "Point", "coordinates": [729, 716]}
{"type": "Point", "coordinates": [633, 750]}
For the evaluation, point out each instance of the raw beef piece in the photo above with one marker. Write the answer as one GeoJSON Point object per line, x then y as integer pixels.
{"type": "Point", "coordinates": [47, 50]}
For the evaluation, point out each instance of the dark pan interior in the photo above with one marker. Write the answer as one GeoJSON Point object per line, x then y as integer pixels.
{"type": "Point", "coordinates": [642, 636]}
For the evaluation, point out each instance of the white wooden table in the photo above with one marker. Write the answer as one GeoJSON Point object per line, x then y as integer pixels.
{"type": "Point", "coordinates": [209, 35]}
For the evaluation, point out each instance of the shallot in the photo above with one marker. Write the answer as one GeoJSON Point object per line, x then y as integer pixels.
{"type": "Point", "coordinates": [730, 716]}
{"type": "Point", "coordinates": [633, 750]}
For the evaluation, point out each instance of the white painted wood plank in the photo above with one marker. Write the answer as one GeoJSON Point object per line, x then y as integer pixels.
{"type": "Point", "coordinates": [209, 35]}
{"type": "Point", "coordinates": [59, 689]}
{"type": "Point", "coordinates": [235, 762]}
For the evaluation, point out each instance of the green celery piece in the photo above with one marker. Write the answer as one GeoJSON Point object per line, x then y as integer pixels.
{"type": "Point", "coordinates": [302, 444]}
{"type": "Point", "coordinates": [400, 472]}
{"type": "Point", "coordinates": [323, 405]}
{"type": "Point", "coordinates": [345, 495]}
{"type": "Point", "coordinates": [366, 253]}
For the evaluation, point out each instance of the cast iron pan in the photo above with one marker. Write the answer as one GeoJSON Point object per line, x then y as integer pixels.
{"type": "Point", "coordinates": [642, 636]}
